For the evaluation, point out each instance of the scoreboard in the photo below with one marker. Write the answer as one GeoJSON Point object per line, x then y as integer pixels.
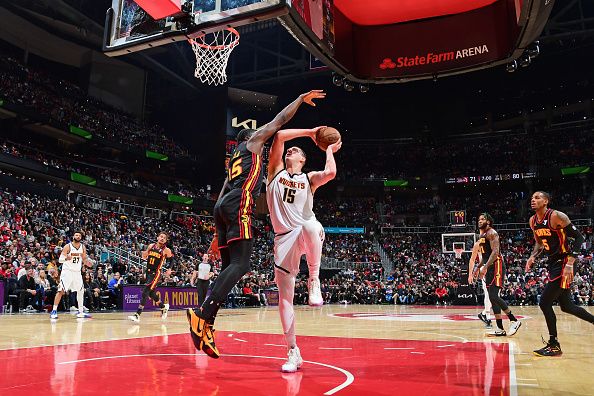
{"type": "Point", "coordinates": [458, 218]}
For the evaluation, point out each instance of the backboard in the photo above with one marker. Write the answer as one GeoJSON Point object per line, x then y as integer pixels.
{"type": "Point", "coordinates": [128, 28]}
{"type": "Point", "coordinates": [451, 240]}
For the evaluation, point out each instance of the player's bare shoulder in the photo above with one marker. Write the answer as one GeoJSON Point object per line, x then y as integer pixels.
{"type": "Point", "coordinates": [559, 219]}
{"type": "Point", "coordinates": [491, 234]}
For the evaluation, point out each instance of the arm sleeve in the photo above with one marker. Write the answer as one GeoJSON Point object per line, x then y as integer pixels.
{"type": "Point", "coordinates": [576, 241]}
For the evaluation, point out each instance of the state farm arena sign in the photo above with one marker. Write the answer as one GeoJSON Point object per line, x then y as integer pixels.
{"type": "Point", "coordinates": [410, 317]}
{"type": "Point", "coordinates": [431, 58]}
{"type": "Point", "coordinates": [431, 46]}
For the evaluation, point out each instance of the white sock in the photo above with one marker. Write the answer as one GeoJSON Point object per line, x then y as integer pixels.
{"type": "Point", "coordinates": [286, 292]}
{"type": "Point", "coordinates": [55, 308]}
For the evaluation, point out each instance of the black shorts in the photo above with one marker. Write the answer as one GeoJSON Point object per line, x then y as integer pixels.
{"type": "Point", "coordinates": [556, 268]}
{"type": "Point", "coordinates": [233, 216]}
{"type": "Point", "coordinates": [152, 279]}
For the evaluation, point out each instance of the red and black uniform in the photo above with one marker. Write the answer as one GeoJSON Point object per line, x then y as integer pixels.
{"type": "Point", "coordinates": [556, 246]}
{"type": "Point", "coordinates": [233, 211]}
{"type": "Point", "coordinates": [496, 272]}
{"type": "Point", "coordinates": [154, 265]}
{"type": "Point", "coordinates": [494, 278]}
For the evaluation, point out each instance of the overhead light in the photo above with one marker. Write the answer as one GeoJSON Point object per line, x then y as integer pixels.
{"type": "Point", "coordinates": [364, 88]}
{"type": "Point", "coordinates": [348, 85]}
{"type": "Point", "coordinates": [511, 66]}
{"type": "Point", "coordinates": [525, 61]}
{"type": "Point", "coordinates": [337, 79]}
{"type": "Point", "coordinates": [534, 50]}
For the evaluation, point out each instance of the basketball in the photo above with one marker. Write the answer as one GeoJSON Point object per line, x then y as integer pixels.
{"type": "Point", "coordinates": [327, 136]}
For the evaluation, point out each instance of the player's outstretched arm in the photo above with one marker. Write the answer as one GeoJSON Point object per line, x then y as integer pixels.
{"type": "Point", "coordinates": [261, 136]}
{"type": "Point", "coordinates": [275, 161]}
{"type": "Point", "coordinates": [320, 178]}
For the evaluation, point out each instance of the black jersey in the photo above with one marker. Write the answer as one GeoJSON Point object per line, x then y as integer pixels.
{"type": "Point", "coordinates": [554, 241]}
{"type": "Point", "coordinates": [485, 249]}
{"type": "Point", "coordinates": [245, 171]}
{"type": "Point", "coordinates": [156, 258]}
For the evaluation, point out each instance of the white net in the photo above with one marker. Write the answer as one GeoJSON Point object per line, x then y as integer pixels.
{"type": "Point", "coordinates": [458, 249]}
{"type": "Point", "coordinates": [212, 52]}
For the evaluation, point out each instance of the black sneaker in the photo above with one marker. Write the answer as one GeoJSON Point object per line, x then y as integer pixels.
{"type": "Point", "coordinates": [551, 348]}
{"type": "Point", "coordinates": [484, 318]}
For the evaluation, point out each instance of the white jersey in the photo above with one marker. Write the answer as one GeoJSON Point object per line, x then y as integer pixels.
{"type": "Point", "coordinates": [203, 271]}
{"type": "Point", "coordinates": [74, 264]}
{"type": "Point", "coordinates": [290, 201]}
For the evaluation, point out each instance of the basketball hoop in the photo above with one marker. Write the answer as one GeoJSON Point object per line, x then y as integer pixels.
{"type": "Point", "coordinates": [212, 52]}
{"type": "Point", "coordinates": [458, 248]}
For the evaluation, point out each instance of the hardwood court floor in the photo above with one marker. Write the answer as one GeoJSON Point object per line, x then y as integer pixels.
{"type": "Point", "coordinates": [348, 350]}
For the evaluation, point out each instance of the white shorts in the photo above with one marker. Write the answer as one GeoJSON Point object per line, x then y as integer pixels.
{"type": "Point", "coordinates": [289, 247]}
{"type": "Point", "coordinates": [70, 280]}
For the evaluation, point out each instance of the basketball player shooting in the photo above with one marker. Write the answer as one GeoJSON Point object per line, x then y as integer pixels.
{"type": "Point", "coordinates": [72, 257]}
{"type": "Point", "coordinates": [289, 195]}
{"type": "Point", "coordinates": [233, 220]}
{"type": "Point", "coordinates": [560, 241]}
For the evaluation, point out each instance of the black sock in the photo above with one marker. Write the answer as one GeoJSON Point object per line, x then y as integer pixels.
{"type": "Point", "coordinates": [553, 340]}
{"type": "Point", "coordinates": [512, 317]}
{"type": "Point", "coordinates": [499, 323]}
{"type": "Point", "coordinates": [209, 310]}
{"type": "Point", "coordinates": [161, 305]}
{"type": "Point", "coordinates": [139, 311]}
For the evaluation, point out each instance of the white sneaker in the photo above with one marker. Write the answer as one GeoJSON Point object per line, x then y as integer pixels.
{"type": "Point", "coordinates": [497, 333]}
{"type": "Point", "coordinates": [294, 361]}
{"type": "Point", "coordinates": [83, 315]}
{"type": "Point", "coordinates": [134, 318]}
{"type": "Point", "coordinates": [315, 295]}
{"type": "Point", "coordinates": [513, 327]}
{"type": "Point", "coordinates": [73, 309]}
{"type": "Point", "coordinates": [164, 311]}
{"type": "Point", "coordinates": [85, 309]}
